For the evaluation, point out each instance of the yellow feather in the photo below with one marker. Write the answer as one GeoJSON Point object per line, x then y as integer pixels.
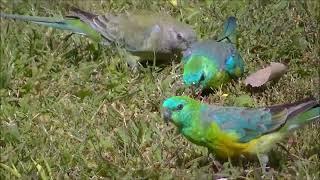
{"type": "Point", "coordinates": [226, 144]}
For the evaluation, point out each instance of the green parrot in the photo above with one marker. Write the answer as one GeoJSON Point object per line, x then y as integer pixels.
{"type": "Point", "coordinates": [144, 34]}
{"type": "Point", "coordinates": [209, 63]}
{"type": "Point", "coordinates": [230, 132]}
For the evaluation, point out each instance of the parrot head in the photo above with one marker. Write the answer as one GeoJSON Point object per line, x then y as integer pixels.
{"type": "Point", "coordinates": [181, 37]}
{"type": "Point", "coordinates": [198, 71]}
{"type": "Point", "coordinates": [179, 109]}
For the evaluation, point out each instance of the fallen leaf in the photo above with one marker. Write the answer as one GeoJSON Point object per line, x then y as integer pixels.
{"type": "Point", "coordinates": [262, 76]}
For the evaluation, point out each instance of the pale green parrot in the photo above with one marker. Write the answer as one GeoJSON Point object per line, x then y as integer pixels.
{"type": "Point", "coordinates": [144, 34]}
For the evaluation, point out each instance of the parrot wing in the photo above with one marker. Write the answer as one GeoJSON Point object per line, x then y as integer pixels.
{"type": "Point", "coordinates": [220, 52]}
{"type": "Point", "coordinates": [100, 23]}
{"type": "Point", "coordinates": [245, 123]}
{"type": "Point", "coordinates": [249, 123]}
{"type": "Point", "coordinates": [135, 32]}
{"type": "Point", "coordinates": [216, 51]}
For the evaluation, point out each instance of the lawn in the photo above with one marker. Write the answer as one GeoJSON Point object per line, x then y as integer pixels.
{"type": "Point", "coordinates": [72, 109]}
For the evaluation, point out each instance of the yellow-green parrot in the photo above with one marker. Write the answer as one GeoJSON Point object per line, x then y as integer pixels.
{"type": "Point", "coordinates": [147, 35]}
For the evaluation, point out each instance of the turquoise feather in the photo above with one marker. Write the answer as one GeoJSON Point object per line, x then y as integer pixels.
{"type": "Point", "coordinates": [229, 29]}
{"type": "Point", "coordinates": [249, 123]}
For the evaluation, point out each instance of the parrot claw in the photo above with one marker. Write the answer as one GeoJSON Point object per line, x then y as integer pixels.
{"type": "Point", "coordinates": [216, 166]}
{"type": "Point", "coordinates": [196, 92]}
{"type": "Point", "coordinates": [206, 99]}
{"type": "Point", "coordinates": [263, 159]}
{"type": "Point", "coordinates": [133, 62]}
{"type": "Point", "coordinates": [199, 94]}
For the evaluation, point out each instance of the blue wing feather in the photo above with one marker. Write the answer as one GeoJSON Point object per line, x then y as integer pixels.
{"type": "Point", "coordinates": [225, 55]}
{"type": "Point", "coordinates": [218, 52]}
{"type": "Point", "coordinates": [246, 123]}
{"type": "Point", "coordinates": [229, 30]}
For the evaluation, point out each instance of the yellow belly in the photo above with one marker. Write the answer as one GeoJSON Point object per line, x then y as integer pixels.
{"type": "Point", "coordinates": [226, 145]}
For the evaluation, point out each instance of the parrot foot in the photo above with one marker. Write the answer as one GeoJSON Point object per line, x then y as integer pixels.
{"type": "Point", "coordinates": [199, 95]}
{"type": "Point", "coordinates": [133, 62]}
{"type": "Point", "coordinates": [202, 98]}
{"type": "Point", "coordinates": [216, 166]}
{"type": "Point", "coordinates": [195, 92]}
{"type": "Point", "coordinates": [263, 159]}
{"type": "Point", "coordinates": [206, 99]}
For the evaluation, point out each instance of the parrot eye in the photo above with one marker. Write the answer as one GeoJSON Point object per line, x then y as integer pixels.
{"type": "Point", "coordinates": [179, 36]}
{"type": "Point", "coordinates": [180, 107]}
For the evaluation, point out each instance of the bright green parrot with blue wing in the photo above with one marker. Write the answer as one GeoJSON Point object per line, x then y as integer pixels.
{"type": "Point", "coordinates": [209, 63]}
{"type": "Point", "coordinates": [144, 34]}
{"type": "Point", "coordinates": [234, 131]}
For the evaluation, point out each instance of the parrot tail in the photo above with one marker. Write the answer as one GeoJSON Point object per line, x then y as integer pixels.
{"type": "Point", "coordinates": [72, 24]}
{"type": "Point", "coordinates": [81, 14]}
{"type": "Point", "coordinates": [300, 113]}
{"type": "Point", "coordinates": [229, 30]}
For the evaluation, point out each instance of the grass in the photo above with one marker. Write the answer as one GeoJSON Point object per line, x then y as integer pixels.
{"type": "Point", "coordinates": [71, 109]}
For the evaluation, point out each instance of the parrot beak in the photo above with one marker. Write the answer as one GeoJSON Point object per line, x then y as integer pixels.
{"type": "Point", "coordinates": [166, 114]}
{"type": "Point", "coordinates": [186, 53]}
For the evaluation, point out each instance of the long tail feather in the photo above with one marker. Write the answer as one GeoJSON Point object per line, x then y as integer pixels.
{"type": "Point", "coordinates": [72, 24]}
{"type": "Point", "coordinates": [47, 21]}
{"type": "Point", "coordinates": [302, 119]}
{"type": "Point", "coordinates": [295, 108]}
{"type": "Point", "coordinates": [299, 113]}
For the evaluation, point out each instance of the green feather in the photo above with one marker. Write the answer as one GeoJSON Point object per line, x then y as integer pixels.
{"type": "Point", "coordinates": [74, 25]}
{"type": "Point", "coordinates": [301, 119]}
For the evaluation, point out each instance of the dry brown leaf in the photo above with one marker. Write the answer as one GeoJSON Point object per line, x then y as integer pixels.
{"type": "Point", "coordinates": [262, 76]}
